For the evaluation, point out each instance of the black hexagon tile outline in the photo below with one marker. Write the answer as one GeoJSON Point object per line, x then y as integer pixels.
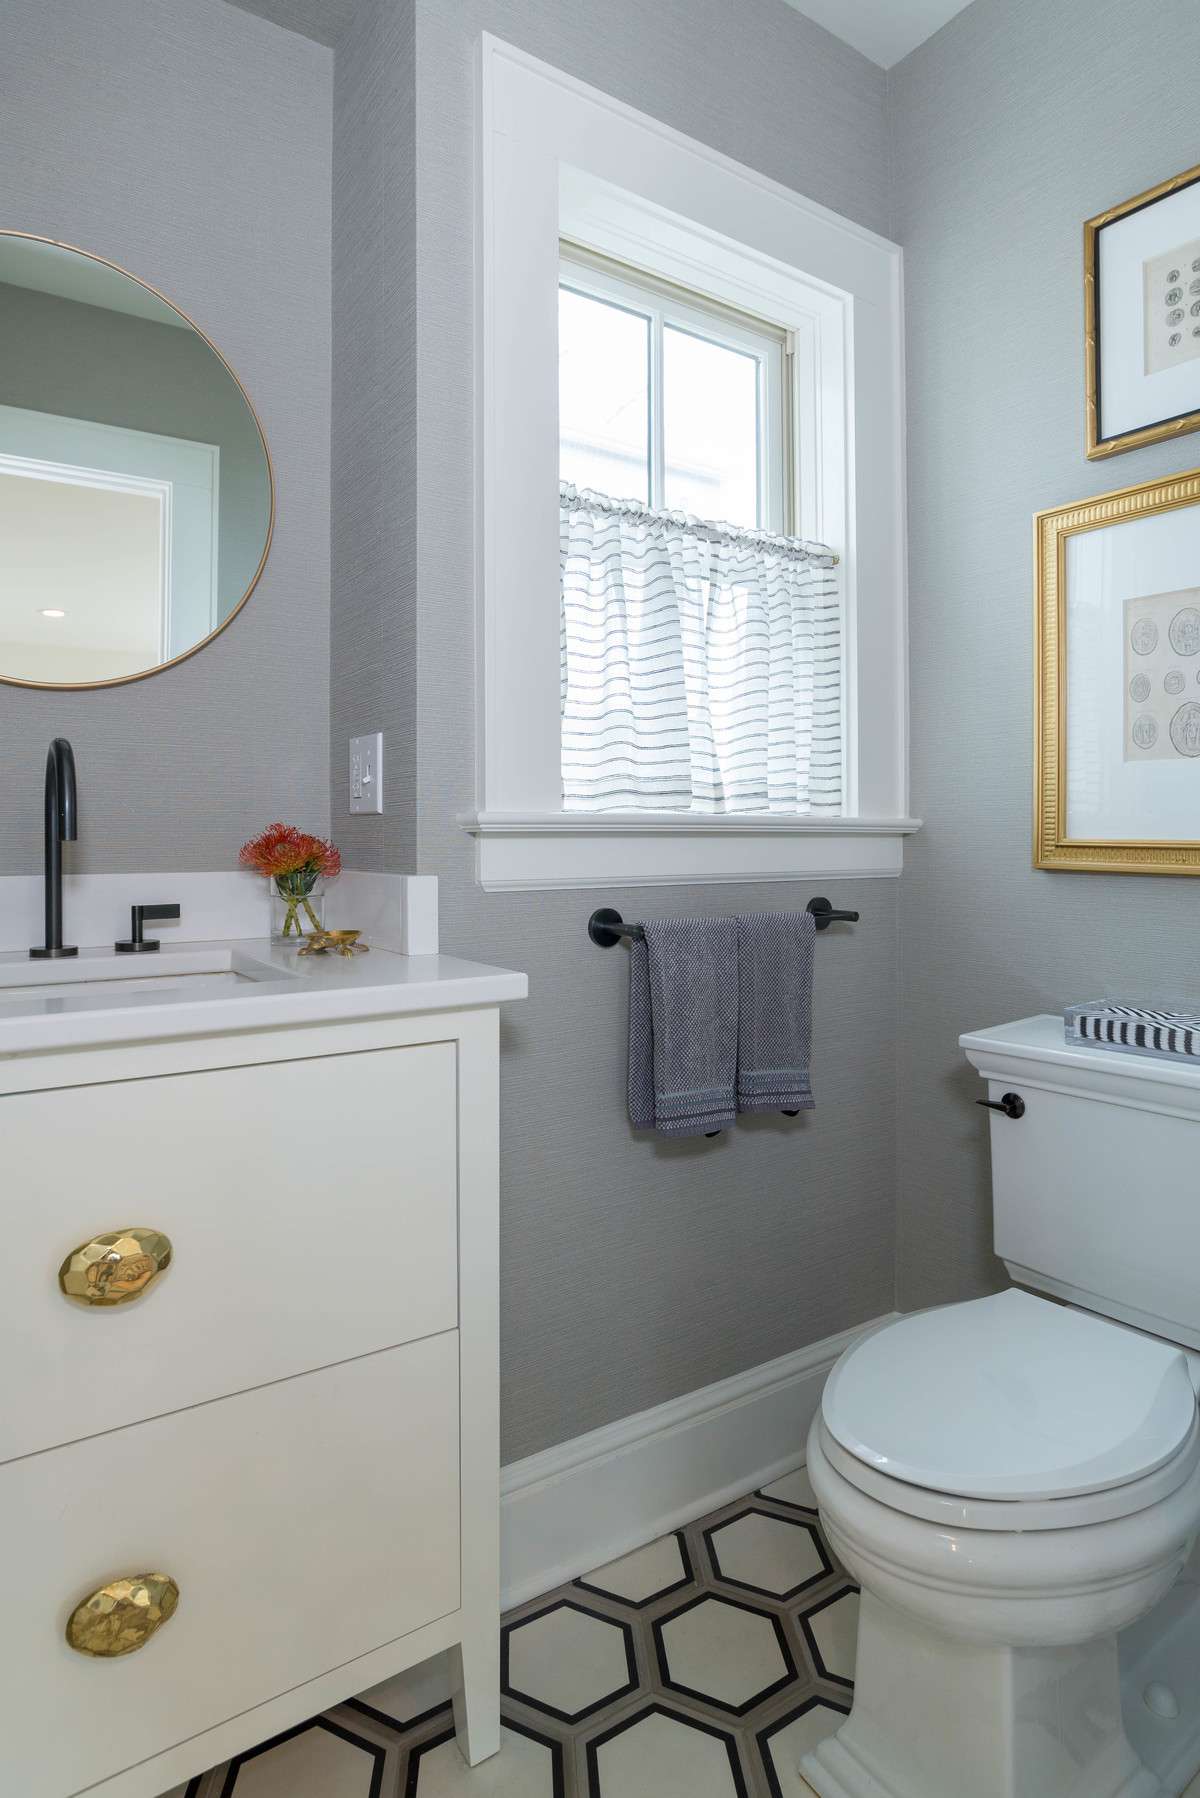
{"type": "Point", "coordinates": [800, 1523]}
{"type": "Point", "coordinates": [596, 1790]}
{"type": "Point", "coordinates": [808, 1512]}
{"type": "Point", "coordinates": [764, 1736]}
{"type": "Point", "coordinates": [639, 1604]}
{"type": "Point", "coordinates": [402, 1725]}
{"type": "Point", "coordinates": [709, 1699]}
{"type": "Point", "coordinates": [378, 1754]}
{"type": "Point", "coordinates": [539, 1704]}
{"type": "Point", "coordinates": [558, 1784]}
{"type": "Point", "coordinates": [802, 1619]}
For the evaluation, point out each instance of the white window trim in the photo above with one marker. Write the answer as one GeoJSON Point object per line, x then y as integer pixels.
{"type": "Point", "coordinates": [559, 158]}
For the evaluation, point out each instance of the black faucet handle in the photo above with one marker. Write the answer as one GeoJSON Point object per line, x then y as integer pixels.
{"type": "Point", "coordinates": [139, 943]}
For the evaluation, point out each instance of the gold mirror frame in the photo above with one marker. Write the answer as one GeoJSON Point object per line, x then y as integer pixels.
{"type": "Point", "coordinates": [1053, 529]}
{"type": "Point", "coordinates": [123, 680]}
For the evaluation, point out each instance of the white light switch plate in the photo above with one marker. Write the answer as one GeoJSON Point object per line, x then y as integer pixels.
{"type": "Point", "coordinates": [366, 773]}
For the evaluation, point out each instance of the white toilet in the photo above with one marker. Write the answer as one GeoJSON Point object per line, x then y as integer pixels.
{"type": "Point", "coordinates": [1015, 1481]}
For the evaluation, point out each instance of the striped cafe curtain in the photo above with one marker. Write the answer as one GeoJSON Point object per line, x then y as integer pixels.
{"type": "Point", "coordinates": [701, 664]}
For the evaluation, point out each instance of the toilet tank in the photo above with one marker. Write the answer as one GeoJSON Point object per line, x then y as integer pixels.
{"type": "Point", "coordinates": [1096, 1186]}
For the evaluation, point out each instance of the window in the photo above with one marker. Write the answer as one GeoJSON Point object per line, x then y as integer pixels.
{"type": "Point", "coordinates": [742, 398]}
{"type": "Point", "coordinates": [667, 397]}
{"type": "Point", "coordinates": [701, 654]}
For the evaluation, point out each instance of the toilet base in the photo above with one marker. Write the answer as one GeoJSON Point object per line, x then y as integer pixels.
{"type": "Point", "coordinates": [968, 1717]}
{"type": "Point", "coordinates": [1161, 1654]}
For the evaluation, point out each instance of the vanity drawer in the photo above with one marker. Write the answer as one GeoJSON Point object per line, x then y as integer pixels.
{"type": "Point", "coordinates": [304, 1524]}
{"type": "Point", "coordinates": [311, 1211]}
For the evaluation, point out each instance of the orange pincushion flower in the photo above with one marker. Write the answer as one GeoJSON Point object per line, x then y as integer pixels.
{"type": "Point", "coordinates": [282, 849]}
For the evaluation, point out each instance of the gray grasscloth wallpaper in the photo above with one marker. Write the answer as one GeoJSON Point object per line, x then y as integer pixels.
{"type": "Point", "coordinates": [634, 1271]}
{"type": "Point", "coordinates": [191, 143]}
{"type": "Point", "coordinates": [1020, 119]}
{"type": "Point", "coordinates": [373, 669]}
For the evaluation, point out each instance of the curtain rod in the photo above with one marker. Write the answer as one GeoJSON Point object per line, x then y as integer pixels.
{"type": "Point", "coordinates": [586, 499]}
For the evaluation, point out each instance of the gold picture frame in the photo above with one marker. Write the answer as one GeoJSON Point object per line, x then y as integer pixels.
{"type": "Point", "coordinates": [1053, 531]}
{"type": "Point", "coordinates": [1158, 430]}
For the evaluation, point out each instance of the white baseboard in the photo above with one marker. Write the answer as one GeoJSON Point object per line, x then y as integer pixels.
{"type": "Point", "coordinates": [586, 1501]}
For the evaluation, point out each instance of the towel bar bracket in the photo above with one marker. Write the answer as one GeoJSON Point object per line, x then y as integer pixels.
{"type": "Point", "coordinates": [606, 927]}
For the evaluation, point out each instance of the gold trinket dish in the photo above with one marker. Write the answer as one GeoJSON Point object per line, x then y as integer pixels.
{"type": "Point", "coordinates": [342, 942]}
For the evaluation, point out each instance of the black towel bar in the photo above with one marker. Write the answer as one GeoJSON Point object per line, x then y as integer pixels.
{"type": "Point", "coordinates": [606, 927]}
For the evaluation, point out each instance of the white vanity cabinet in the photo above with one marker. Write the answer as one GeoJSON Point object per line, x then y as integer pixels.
{"type": "Point", "coordinates": [295, 1421]}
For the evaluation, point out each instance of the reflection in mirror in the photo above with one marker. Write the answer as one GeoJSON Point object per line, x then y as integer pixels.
{"type": "Point", "coordinates": [136, 497]}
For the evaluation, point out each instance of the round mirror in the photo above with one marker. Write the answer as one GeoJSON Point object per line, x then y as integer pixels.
{"type": "Point", "coordinates": [136, 495]}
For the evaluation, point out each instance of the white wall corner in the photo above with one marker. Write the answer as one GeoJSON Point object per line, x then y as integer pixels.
{"type": "Point", "coordinates": [585, 1502]}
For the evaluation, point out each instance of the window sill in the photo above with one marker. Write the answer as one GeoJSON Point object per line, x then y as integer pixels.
{"type": "Point", "coordinates": [529, 851]}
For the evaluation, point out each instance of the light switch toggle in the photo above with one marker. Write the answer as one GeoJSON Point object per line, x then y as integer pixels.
{"type": "Point", "coordinates": [366, 773]}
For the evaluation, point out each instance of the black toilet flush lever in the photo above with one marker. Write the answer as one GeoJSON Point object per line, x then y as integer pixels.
{"type": "Point", "coordinates": [139, 943]}
{"type": "Point", "coordinates": [1011, 1104]}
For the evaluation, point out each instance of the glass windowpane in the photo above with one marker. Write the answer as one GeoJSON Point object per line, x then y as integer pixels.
{"type": "Point", "coordinates": [603, 396]}
{"type": "Point", "coordinates": [710, 427]}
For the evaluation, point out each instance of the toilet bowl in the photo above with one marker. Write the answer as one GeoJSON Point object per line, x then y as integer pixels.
{"type": "Point", "coordinates": [1012, 1482]}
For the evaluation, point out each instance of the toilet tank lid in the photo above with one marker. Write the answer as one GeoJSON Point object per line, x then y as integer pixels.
{"type": "Point", "coordinates": [1010, 1397]}
{"type": "Point", "coordinates": [1036, 1047]}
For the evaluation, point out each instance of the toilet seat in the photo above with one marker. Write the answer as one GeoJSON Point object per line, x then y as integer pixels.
{"type": "Point", "coordinates": [1011, 1413]}
{"type": "Point", "coordinates": [954, 1512]}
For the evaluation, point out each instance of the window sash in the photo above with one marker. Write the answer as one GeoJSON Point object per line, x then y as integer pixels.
{"type": "Point", "coordinates": [666, 304]}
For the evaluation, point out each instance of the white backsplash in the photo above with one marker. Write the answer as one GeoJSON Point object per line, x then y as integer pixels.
{"type": "Point", "coordinates": [394, 911]}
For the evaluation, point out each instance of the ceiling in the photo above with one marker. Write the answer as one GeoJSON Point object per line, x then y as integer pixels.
{"type": "Point", "coordinates": [323, 20]}
{"type": "Point", "coordinates": [884, 30]}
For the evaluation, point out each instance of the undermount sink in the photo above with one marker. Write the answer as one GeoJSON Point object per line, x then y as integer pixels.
{"type": "Point", "coordinates": [97, 973]}
{"type": "Point", "coordinates": [116, 983]}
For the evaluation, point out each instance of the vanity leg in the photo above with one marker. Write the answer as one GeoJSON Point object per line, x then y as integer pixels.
{"type": "Point", "coordinates": [475, 1665]}
{"type": "Point", "coordinates": [475, 1675]}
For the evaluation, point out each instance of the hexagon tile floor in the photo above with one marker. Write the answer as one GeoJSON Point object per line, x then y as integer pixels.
{"type": "Point", "coordinates": [700, 1666]}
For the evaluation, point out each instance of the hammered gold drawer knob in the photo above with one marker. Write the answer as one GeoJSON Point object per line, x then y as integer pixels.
{"type": "Point", "coordinates": [121, 1617]}
{"type": "Point", "coordinates": [115, 1268]}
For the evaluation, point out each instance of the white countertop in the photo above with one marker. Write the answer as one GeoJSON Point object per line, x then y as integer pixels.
{"type": "Point", "coordinates": [208, 988]}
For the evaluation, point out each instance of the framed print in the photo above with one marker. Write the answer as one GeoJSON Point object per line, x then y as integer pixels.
{"type": "Point", "coordinates": [1141, 290]}
{"type": "Point", "coordinates": [1118, 681]}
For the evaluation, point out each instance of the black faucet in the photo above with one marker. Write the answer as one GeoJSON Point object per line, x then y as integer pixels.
{"type": "Point", "coordinates": [61, 827]}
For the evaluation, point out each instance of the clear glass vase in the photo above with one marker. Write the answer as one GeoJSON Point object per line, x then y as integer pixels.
{"type": "Point", "coordinates": [297, 906]}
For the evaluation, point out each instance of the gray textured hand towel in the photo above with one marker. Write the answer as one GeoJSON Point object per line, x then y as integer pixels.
{"type": "Point", "coordinates": [683, 1011]}
{"type": "Point", "coordinates": [775, 982]}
